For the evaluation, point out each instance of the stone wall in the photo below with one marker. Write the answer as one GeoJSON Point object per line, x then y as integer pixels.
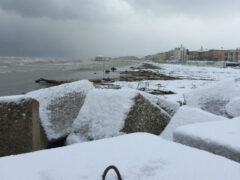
{"type": "Point", "coordinates": [20, 129]}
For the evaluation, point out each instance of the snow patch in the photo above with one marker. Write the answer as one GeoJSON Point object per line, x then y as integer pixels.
{"type": "Point", "coordinates": [137, 156]}
{"type": "Point", "coordinates": [102, 114]}
{"type": "Point", "coordinates": [13, 99]}
{"type": "Point", "coordinates": [233, 107]}
{"type": "Point", "coordinates": [188, 115]}
{"type": "Point", "coordinates": [168, 106]}
{"type": "Point", "coordinates": [214, 97]}
{"type": "Point", "coordinates": [221, 137]}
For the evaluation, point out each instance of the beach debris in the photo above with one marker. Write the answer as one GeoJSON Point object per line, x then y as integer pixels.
{"type": "Point", "coordinates": [144, 75]}
{"type": "Point", "coordinates": [149, 66]}
{"type": "Point", "coordinates": [52, 82]}
{"type": "Point", "coordinates": [158, 92]}
{"type": "Point", "coordinates": [113, 69]}
{"type": "Point", "coordinates": [107, 71]}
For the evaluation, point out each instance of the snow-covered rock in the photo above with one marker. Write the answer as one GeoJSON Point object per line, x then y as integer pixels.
{"type": "Point", "coordinates": [59, 106]}
{"type": "Point", "coordinates": [233, 107]}
{"type": "Point", "coordinates": [221, 137]}
{"type": "Point", "coordinates": [108, 113]}
{"type": "Point", "coordinates": [169, 106]}
{"type": "Point", "coordinates": [214, 97]}
{"type": "Point", "coordinates": [188, 115]}
{"type": "Point", "coordinates": [137, 156]}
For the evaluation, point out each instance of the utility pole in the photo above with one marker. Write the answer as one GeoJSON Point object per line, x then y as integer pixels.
{"type": "Point", "coordinates": [103, 68]}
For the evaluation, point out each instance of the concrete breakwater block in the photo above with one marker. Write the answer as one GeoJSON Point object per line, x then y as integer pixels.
{"type": "Point", "coordinates": [59, 107]}
{"type": "Point", "coordinates": [108, 113]}
{"type": "Point", "coordinates": [219, 137]}
{"type": "Point", "coordinates": [20, 129]}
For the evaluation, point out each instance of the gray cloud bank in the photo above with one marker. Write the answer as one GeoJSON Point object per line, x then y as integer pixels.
{"type": "Point", "coordinates": [85, 28]}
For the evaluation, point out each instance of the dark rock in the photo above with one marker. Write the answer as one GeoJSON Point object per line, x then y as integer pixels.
{"type": "Point", "coordinates": [107, 71]}
{"type": "Point", "coordinates": [113, 69]}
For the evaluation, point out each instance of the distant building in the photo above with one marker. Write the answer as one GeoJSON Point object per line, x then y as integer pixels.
{"type": "Point", "coordinates": [102, 58]}
{"type": "Point", "coordinates": [233, 55]}
{"type": "Point", "coordinates": [126, 58]}
{"type": "Point", "coordinates": [238, 54]}
{"type": "Point", "coordinates": [217, 55]}
{"type": "Point", "coordinates": [194, 55]}
{"type": "Point", "coordinates": [165, 55]}
{"type": "Point", "coordinates": [183, 54]}
{"type": "Point", "coordinates": [180, 53]}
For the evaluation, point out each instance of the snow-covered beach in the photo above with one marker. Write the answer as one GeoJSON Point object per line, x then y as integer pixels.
{"type": "Point", "coordinates": [199, 139]}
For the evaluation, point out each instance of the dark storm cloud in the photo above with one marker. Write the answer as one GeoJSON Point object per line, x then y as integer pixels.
{"type": "Point", "coordinates": [85, 10]}
{"type": "Point", "coordinates": [199, 8]}
{"type": "Point", "coordinates": [86, 28]}
{"type": "Point", "coordinates": [20, 37]}
{"type": "Point", "coordinates": [40, 8]}
{"type": "Point", "coordinates": [104, 9]}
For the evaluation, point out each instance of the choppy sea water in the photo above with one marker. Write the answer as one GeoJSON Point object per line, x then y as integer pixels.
{"type": "Point", "coordinates": [18, 74]}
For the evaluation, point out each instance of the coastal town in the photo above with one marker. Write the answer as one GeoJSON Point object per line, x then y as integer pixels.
{"type": "Point", "coordinates": [119, 90]}
{"type": "Point", "coordinates": [181, 53]}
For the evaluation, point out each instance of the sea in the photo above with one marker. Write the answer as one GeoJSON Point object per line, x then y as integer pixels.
{"type": "Point", "coordinates": [18, 74]}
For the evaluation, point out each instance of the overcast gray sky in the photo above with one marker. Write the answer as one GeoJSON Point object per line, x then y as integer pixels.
{"type": "Point", "coordinates": [86, 28]}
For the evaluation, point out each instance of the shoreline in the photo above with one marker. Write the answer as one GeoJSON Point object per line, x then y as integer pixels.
{"type": "Point", "coordinates": [16, 83]}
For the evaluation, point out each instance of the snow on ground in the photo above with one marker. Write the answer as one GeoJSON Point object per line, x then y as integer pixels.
{"type": "Point", "coordinates": [214, 97]}
{"type": "Point", "coordinates": [221, 137]}
{"type": "Point", "coordinates": [197, 72]}
{"type": "Point", "coordinates": [138, 156]}
{"type": "Point", "coordinates": [188, 115]}
{"type": "Point", "coordinates": [102, 115]}
{"type": "Point", "coordinates": [49, 95]}
{"type": "Point", "coordinates": [178, 86]}
{"type": "Point", "coordinates": [233, 107]}
{"type": "Point", "coordinates": [193, 77]}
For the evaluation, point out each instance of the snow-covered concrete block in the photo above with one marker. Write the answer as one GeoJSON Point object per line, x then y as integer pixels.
{"type": "Point", "coordinates": [108, 113]}
{"type": "Point", "coordinates": [214, 97]}
{"type": "Point", "coordinates": [137, 156]}
{"type": "Point", "coordinates": [188, 115]}
{"type": "Point", "coordinates": [60, 105]}
{"type": "Point", "coordinates": [145, 117]}
{"type": "Point", "coordinates": [221, 137]}
{"type": "Point", "coordinates": [20, 129]}
{"type": "Point", "coordinates": [233, 107]}
{"type": "Point", "coordinates": [168, 106]}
